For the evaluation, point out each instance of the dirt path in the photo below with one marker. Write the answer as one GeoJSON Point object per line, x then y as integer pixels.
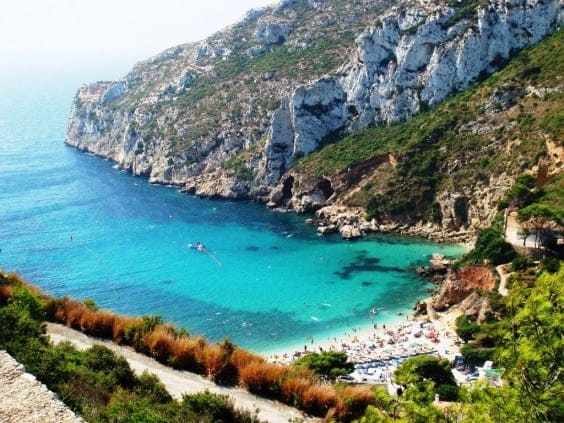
{"type": "Point", "coordinates": [181, 382]}
{"type": "Point", "coordinates": [503, 275]}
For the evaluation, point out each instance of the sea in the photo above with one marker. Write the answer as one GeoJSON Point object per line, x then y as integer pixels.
{"type": "Point", "coordinates": [76, 226]}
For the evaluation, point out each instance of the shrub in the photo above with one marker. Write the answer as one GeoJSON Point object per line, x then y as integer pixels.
{"type": "Point", "coordinates": [83, 396]}
{"type": "Point", "coordinates": [520, 263]}
{"type": "Point", "coordinates": [136, 332]}
{"type": "Point", "coordinates": [550, 264]}
{"type": "Point", "coordinates": [16, 329]}
{"type": "Point", "coordinates": [121, 323]}
{"type": "Point", "coordinates": [352, 402]}
{"type": "Point", "coordinates": [124, 406]}
{"type": "Point", "coordinates": [329, 364]}
{"type": "Point", "coordinates": [24, 299]}
{"type": "Point", "coordinates": [103, 360]}
{"type": "Point", "coordinates": [263, 378]}
{"type": "Point", "coordinates": [91, 305]}
{"type": "Point", "coordinates": [319, 399]}
{"type": "Point", "coordinates": [207, 403]}
{"type": "Point", "coordinates": [186, 354]}
{"type": "Point", "coordinates": [491, 246]}
{"type": "Point", "coordinates": [465, 329]}
{"type": "Point", "coordinates": [476, 354]}
{"type": "Point", "coordinates": [149, 386]}
{"type": "Point", "coordinates": [447, 392]}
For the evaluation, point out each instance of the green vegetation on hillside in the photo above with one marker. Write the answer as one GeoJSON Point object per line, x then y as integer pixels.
{"type": "Point", "coordinates": [496, 126]}
{"type": "Point", "coordinates": [96, 383]}
{"type": "Point", "coordinates": [23, 309]}
{"type": "Point", "coordinates": [417, 373]}
{"type": "Point", "coordinates": [328, 365]}
{"type": "Point", "coordinates": [490, 246]}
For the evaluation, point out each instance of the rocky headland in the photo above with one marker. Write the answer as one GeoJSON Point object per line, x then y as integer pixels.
{"type": "Point", "coordinates": [232, 116]}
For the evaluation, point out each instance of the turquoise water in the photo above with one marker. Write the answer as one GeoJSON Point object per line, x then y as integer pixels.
{"type": "Point", "coordinates": [74, 225]}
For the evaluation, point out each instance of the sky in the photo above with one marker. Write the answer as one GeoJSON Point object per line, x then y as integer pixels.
{"type": "Point", "coordinates": [112, 35]}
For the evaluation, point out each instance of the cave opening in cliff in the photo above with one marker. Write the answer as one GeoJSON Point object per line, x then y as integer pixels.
{"type": "Point", "coordinates": [324, 185]}
{"type": "Point", "coordinates": [460, 212]}
{"type": "Point", "coordinates": [287, 187]}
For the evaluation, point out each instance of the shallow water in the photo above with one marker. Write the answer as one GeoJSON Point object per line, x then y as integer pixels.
{"type": "Point", "coordinates": [74, 225]}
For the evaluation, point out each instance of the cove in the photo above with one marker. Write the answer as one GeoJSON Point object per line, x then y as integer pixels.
{"type": "Point", "coordinates": [75, 226]}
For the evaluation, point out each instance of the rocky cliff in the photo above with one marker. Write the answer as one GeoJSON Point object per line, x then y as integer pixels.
{"type": "Point", "coordinates": [230, 116]}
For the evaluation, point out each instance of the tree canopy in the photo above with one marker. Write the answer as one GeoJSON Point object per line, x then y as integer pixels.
{"type": "Point", "coordinates": [328, 364]}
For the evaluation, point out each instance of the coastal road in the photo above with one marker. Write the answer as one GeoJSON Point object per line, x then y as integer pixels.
{"type": "Point", "coordinates": [179, 382]}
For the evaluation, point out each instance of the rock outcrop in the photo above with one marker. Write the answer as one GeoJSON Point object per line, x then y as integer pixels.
{"type": "Point", "coordinates": [414, 59]}
{"type": "Point", "coordinates": [24, 399]}
{"type": "Point", "coordinates": [476, 308]}
{"type": "Point", "coordinates": [459, 284]}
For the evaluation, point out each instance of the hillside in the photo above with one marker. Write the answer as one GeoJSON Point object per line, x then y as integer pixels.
{"type": "Point", "coordinates": [447, 169]}
{"type": "Point", "coordinates": [230, 116]}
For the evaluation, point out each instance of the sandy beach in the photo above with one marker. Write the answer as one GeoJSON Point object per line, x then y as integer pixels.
{"type": "Point", "coordinates": [378, 350]}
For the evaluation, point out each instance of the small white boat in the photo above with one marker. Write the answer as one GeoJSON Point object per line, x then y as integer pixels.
{"type": "Point", "coordinates": [199, 246]}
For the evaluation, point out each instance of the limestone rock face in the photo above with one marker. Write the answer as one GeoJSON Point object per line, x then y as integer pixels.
{"type": "Point", "coordinates": [476, 307]}
{"type": "Point", "coordinates": [280, 143]}
{"type": "Point", "coordinates": [317, 110]}
{"type": "Point", "coordinates": [114, 91]}
{"type": "Point", "coordinates": [475, 205]}
{"type": "Point", "coordinates": [229, 115]}
{"type": "Point", "coordinates": [272, 32]}
{"type": "Point", "coordinates": [416, 58]}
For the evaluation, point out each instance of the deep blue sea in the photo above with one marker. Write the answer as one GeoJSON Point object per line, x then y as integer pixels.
{"type": "Point", "coordinates": [73, 225]}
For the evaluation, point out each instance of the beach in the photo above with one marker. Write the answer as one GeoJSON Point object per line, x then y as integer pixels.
{"type": "Point", "coordinates": [377, 351]}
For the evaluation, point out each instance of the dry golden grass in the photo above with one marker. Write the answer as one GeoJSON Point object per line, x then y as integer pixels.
{"type": "Point", "coordinates": [121, 323]}
{"type": "Point", "coordinates": [213, 359]}
{"type": "Point", "coordinates": [319, 399]}
{"type": "Point", "coordinates": [8, 282]}
{"type": "Point", "coordinates": [5, 293]}
{"type": "Point", "coordinates": [241, 358]}
{"type": "Point", "coordinates": [296, 386]}
{"type": "Point", "coordinates": [293, 388]}
{"type": "Point", "coordinates": [98, 323]}
{"type": "Point", "coordinates": [186, 354]}
{"type": "Point", "coordinates": [263, 378]}
{"type": "Point", "coordinates": [58, 310]}
{"type": "Point", "coordinates": [160, 343]}
{"type": "Point", "coordinates": [74, 311]}
{"type": "Point", "coordinates": [352, 402]}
